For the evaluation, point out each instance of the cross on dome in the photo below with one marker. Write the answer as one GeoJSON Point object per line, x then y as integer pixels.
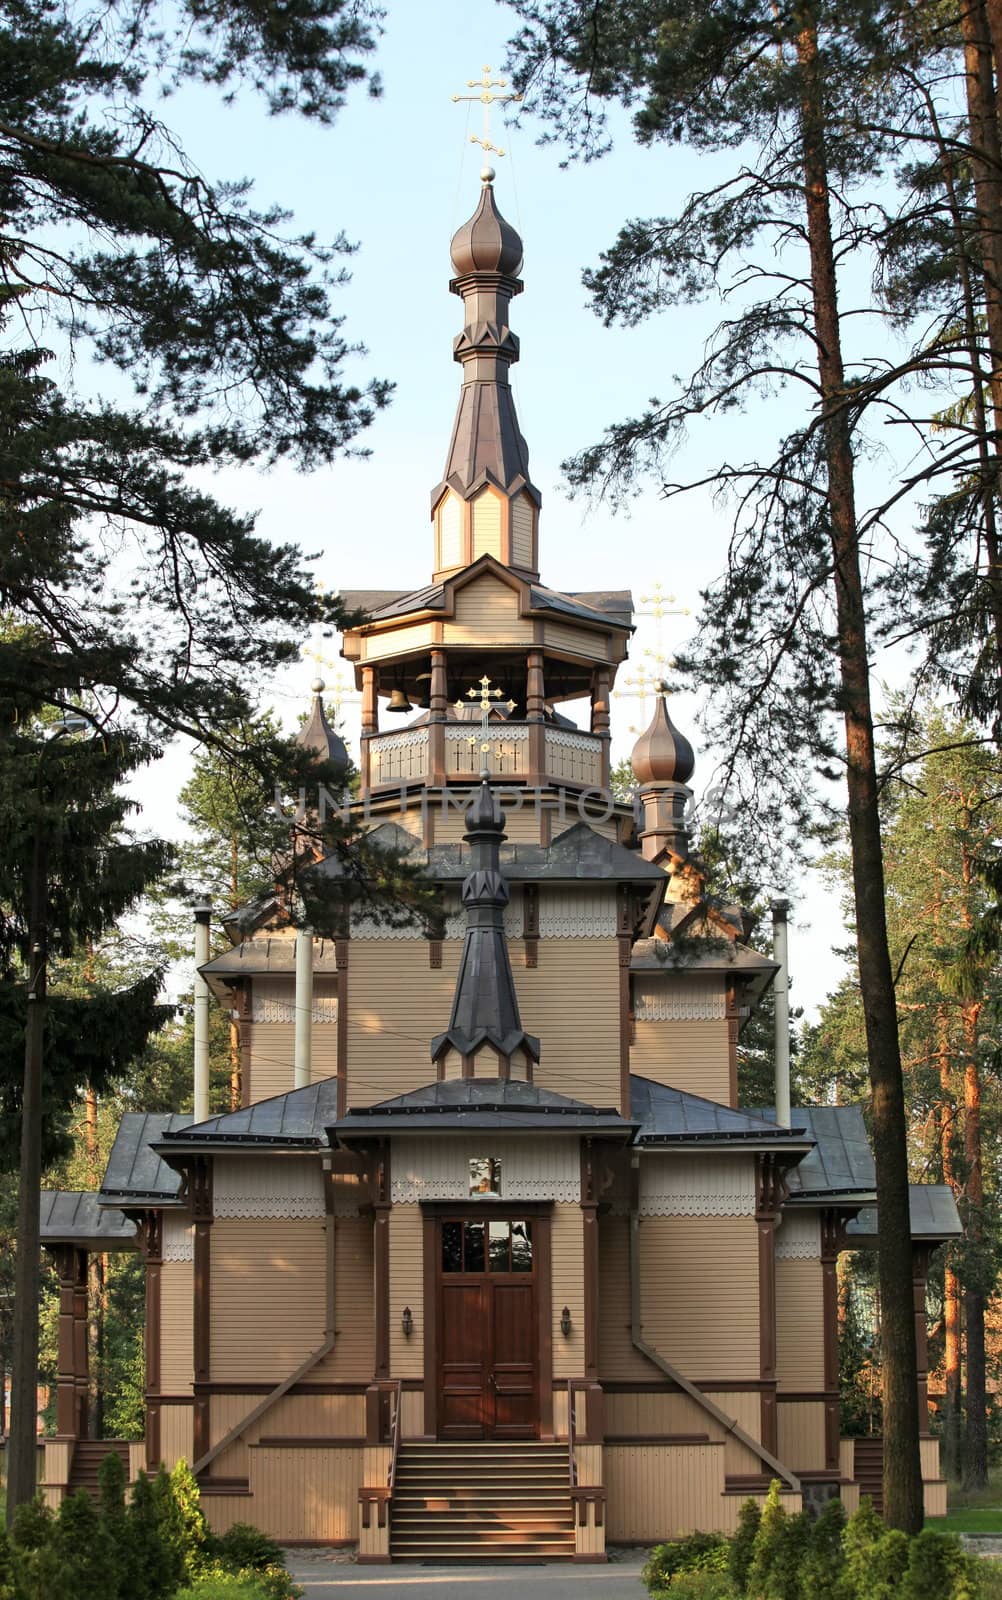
{"type": "Point", "coordinates": [486, 99]}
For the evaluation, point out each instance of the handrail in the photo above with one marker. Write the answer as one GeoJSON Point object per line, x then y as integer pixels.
{"type": "Point", "coordinates": [573, 1384]}
{"type": "Point", "coordinates": [397, 1403]}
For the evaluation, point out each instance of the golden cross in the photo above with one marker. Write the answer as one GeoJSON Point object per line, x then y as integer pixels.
{"type": "Point", "coordinates": [485, 694]}
{"type": "Point", "coordinates": [487, 99]}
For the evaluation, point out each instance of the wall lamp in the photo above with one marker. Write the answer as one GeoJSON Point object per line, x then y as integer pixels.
{"type": "Point", "coordinates": [565, 1322]}
{"type": "Point", "coordinates": [407, 1322]}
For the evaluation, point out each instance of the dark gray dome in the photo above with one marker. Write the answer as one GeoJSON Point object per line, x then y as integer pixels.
{"type": "Point", "coordinates": [487, 243]}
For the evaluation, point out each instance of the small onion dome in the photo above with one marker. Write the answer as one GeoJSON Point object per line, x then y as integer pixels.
{"type": "Point", "coordinates": [662, 754]}
{"type": "Point", "coordinates": [487, 243]}
{"type": "Point", "coordinates": [318, 736]}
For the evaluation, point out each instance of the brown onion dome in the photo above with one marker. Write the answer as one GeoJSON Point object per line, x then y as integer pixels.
{"type": "Point", "coordinates": [662, 754]}
{"type": "Point", "coordinates": [319, 737]}
{"type": "Point", "coordinates": [487, 243]}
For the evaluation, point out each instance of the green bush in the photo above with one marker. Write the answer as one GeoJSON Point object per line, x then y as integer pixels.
{"type": "Point", "coordinates": [742, 1546]}
{"type": "Point", "coordinates": [698, 1585]}
{"type": "Point", "coordinates": [182, 1521]}
{"type": "Point", "coordinates": [769, 1539]}
{"type": "Point", "coordinates": [216, 1583]}
{"type": "Point", "coordinates": [824, 1560]}
{"type": "Point", "coordinates": [698, 1552]}
{"type": "Point", "coordinates": [243, 1546]}
{"type": "Point", "coordinates": [939, 1567]}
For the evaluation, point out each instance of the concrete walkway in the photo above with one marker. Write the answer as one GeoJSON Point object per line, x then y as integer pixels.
{"type": "Point", "coordinates": [327, 1580]}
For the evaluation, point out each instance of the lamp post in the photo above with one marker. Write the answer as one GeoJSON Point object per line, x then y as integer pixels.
{"type": "Point", "coordinates": [22, 1445]}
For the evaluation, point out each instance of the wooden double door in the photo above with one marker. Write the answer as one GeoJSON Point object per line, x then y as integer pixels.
{"type": "Point", "coordinates": [488, 1341]}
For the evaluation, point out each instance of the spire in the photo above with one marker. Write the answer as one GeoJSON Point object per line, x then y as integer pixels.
{"type": "Point", "coordinates": [485, 1035]}
{"type": "Point", "coordinates": [485, 503]}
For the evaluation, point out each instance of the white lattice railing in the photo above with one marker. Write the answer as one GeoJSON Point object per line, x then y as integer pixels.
{"type": "Point", "coordinates": [574, 757]}
{"type": "Point", "coordinates": [571, 756]}
{"type": "Point", "coordinates": [394, 757]}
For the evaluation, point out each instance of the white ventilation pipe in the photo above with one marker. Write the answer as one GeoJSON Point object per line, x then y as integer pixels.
{"type": "Point", "coordinates": [203, 914]}
{"type": "Point", "coordinates": [304, 1008]}
{"type": "Point", "coordinates": [781, 995]}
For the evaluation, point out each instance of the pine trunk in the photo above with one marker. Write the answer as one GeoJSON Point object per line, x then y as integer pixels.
{"type": "Point", "coordinates": [981, 30]}
{"type": "Point", "coordinates": [976, 1432]}
{"type": "Point", "coordinates": [952, 1402]}
{"type": "Point", "coordinates": [902, 1467]}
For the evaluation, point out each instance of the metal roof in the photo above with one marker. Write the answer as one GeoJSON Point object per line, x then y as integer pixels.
{"type": "Point", "coordinates": [265, 955]}
{"type": "Point", "coordinates": [841, 1162]}
{"type": "Point", "coordinates": [134, 1169]}
{"type": "Point", "coordinates": [607, 607]}
{"type": "Point", "coordinates": [78, 1217]}
{"type": "Point", "coordinates": [294, 1120]}
{"type": "Point", "coordinates": [498, 1103]}
{"type": "Point", "coordinates": [933, 1216]}
{"type": "Point", "coordinates": [670, 1116]}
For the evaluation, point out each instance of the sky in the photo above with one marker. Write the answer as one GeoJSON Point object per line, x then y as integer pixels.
{"type": "Point", "coordinates": [398, 175]}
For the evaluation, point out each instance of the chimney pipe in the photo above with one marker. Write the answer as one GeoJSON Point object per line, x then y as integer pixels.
{"type": "Point", "coordinates": [781, 993]}
{"type": "Point", "coordinates": [203, 913]}
{"type": "Point", "coordinates": [304, 1008]}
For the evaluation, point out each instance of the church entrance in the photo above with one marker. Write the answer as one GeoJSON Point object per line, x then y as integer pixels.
{"type": "Point", "coordinates": [488, 1341]}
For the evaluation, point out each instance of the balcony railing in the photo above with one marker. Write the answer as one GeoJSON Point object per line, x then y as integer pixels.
{"type": "Point", "coordinates": [557, 755]}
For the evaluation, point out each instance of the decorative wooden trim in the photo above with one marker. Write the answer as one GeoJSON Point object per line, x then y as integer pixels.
{"type": "Point", "coordinates": [341, 963]}
{"type": "Point", "coordinates": [542, 1246]}
{"type": "Point", "coordinates": [244, 997]}
{"type": "Point", "coordinates": [661, 1438]}
{"type": "Point", "coordinates": [175, 1400]}
{"type": "Point", "coordinates": [435, 954]}
{"type": "Point", "coordinates": [530, 922]}
{"type": "Point", "coordinates": [429, 1239]}
{"type": "Point", "coordinates": [381, 1257]}
{"type": "Point", "coordinates": [72, 1378]}
{"type": "Point", "coordinates": [804, 1396]}
{"type": "Point", "coordinates": [733, 1030]}
{"type": "Point", "coordinates": [832, 1241]}
{"type": "Point", "coordinates": [150, 1233]}
{"type": "Point", "coordinates": [666, 1386]}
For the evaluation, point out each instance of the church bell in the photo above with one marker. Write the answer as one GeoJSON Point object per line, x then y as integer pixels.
{"type": "Point", "coordinates": [399, 701]}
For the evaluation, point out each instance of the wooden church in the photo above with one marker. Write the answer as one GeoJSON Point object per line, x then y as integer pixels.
{"type": "Point", "coordinates": [491, 1259]}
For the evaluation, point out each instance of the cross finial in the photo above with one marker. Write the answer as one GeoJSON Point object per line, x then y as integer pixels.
{"type": "Point", "coordinates": [486, 695]}
{"type": "Point", "coordinates": [486, 85]}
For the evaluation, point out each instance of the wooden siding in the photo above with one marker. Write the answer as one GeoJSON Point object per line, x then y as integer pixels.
{"type": "Point", "coordinates": [177, 1290]}
{"type": "Point", "coordinates": [449, 518]}
{"type": "Point", "coordinates": [310, 1416]}
{"type": "Point", "coordinates": [377, 646]}
{"type": "Point", "coordinates": [576, 641]}
{"type": "Point", "coordinates": [352, 1356]}
{"type": "Point", "coordinates": [296, 1496]}
{"type": "Point", "coordinates": [175, 1434]}
{"type": "Point", "coordinates": [521, 826]}
{"type": "Point", "coordinates": [567, 1278]}
{"type": "Point", "coordinates": [485, 515]}
{"type": "Point", "coordinates": [699, 1293]}
{"type": "Point", "coordinates": [802, 1435]}
{"type": "Point", "coordinates": [571, 999]}
{"type": "Point", "coordinates": [406, 1289]}
{"type": "Point", "coordinates": [487, 610]}
{"type": "Point", "coordinates": [270, 1062]}
{"type": "Point", "coordinates": [658, 1491]}
{"type": "Point", "coordinates": [800, 1339]}
{"type": "Point", "coordinates": [617, 1359]}
{"type": "Point", "coordinates": [643, 1414]}
{"type": "Point", "coordinates": [521, 531]}
{"type": "Point", "coordinates": [692, 1056]}
{"type": "Point", "coordinates": [396, 1005]}
{"type": "Point", "coordinates": [267, 1297]}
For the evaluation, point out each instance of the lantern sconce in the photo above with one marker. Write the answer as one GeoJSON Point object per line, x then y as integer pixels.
{"type": "Point", "coordinates": [565, 1322]}
{"type": "Point", "coordinates": [407, 1322]}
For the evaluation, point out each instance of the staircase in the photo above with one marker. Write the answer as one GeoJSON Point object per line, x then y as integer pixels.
{"type": "Point", "coordinates": [868, 1470]}
{"type": "Point", "coordinates": [465, 1502]}
{"type": "Point", "coordinates": [87, 1457]}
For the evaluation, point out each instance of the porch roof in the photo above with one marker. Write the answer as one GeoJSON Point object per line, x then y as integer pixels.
{"type": "Point", "coordinates": [77, 1217]}
{"type": "Point", "coordinates": [841, 1163]}
{"type": "Point", "coordinates": [933, 1217]}
{"type": "Point", "coordinates": [295, 1120]}
{"type": "Point", "coordinates": [670, 1116]}
{"type": "Point", "coordinates": [460, 1104]}
{"type": "Point", "coordinates": [135, 1171]}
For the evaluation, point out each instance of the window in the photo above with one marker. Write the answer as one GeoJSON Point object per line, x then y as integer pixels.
{"type": "Point", "coordinates": [494, 1246]}
{"type": "Point", "coordinates": [485, 1175]}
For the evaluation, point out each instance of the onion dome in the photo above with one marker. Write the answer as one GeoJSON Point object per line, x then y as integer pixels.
{"type": "Point", "coordinates": [487, 243]}
{"type": "Point", "coordinates": [318, 736]}
{"type": "Point", "coordinates": [662, 754]}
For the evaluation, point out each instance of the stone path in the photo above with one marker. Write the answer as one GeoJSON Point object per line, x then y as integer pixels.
{"type": "Point", "coordinates": [325, 1579]}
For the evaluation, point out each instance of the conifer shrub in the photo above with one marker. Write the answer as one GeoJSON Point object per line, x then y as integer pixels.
{"type": "Point", "coordinates": [824, 1560]}
{"type": "Point", "coordinates": [155, 1567]}
{"type": "Point", "coordinates": [938, 1565]}
{"type": "Point", "coordinates": [182, 1521]}
{"type": "Point", "coordinates": [6, 1567]}
{"type": "Point", "coordinates": [84, 1560]}
{"type": "Point", "coordinates": [244, 1547]}
{"type": "Point", "coordinates": [769, 1538]}
{"type": "Point", "coordinates": [742, 1546]}
{"type": "Point", "coordinates": [697, 1552]}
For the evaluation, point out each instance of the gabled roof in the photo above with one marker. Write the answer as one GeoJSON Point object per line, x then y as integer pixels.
{"type": "Point", "coordinates": [841, 1163]}
{"type": "Point", "coordinates": [933, 1216]}
{"type": "Point", "coordinates": [264, 954]}
{"type": "Point", "coordinates": [607, 607]}
{"type": "Point", "coordinates": [77, 1217]}
{"type": "Point", "coordinates": [463, 1103]}
{"type": "Point", "coordinates": [670, 1116]}
{"type": "Point", "coordinates": [135, 1171]}
{"type": "Point", "coordinates": [720, 955]}
{"type": "Point", "coordinates": [295, 1120]}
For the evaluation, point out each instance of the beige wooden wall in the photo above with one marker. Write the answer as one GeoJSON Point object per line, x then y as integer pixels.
{"type": "Point", "coordinates": [571, 1000]}
{"type": "Point", "coordinates": [267, 1296]}
{"type": "Point", "coordinates": [800, 1341]}
{"type": "Point", "coordinates": [801, 1426]}
{"type": "Point", "coordinates": [406, 1289]}
{"type": "Point", "coordinates": [567, 1280]}
{"type": "Point", "coordinates": [176, 1327]}
{"type": "Point", "coordinates": [691, 1055]}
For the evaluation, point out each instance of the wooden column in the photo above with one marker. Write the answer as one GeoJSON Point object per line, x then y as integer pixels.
{"type": "Point", "coordinates": [381, 1258]}
{"type": "Point", "coordinates": [601, 684]}
{"type": "Point", "coordinates": [832, 1241]}
{"type": "Point", "coordinates": [200, 1190]}
{"type": "Point", "coordinates": [535, 712]}
{"type": "Point", "coordinates": [341, 966]}
{"type": "Point", "coordinates": [594, 1431]}
{"type": "Point", "coordinates": [768, 1201]}
{"type": "Point", "coordinates": [71, 1380]}
{"type": "Point", "coordinates": [437, 716]}
{"type": "Point", "coordinates": [151, 1244]}
{"type": "Point", "coordinates": [244, 998]}
{"type": "Point", "coordinates": [920, 1277]}
{"type": "Point", "coordinates": [370, 719]}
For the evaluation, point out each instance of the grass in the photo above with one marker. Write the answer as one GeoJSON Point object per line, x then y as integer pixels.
{"type": "Point", "coordinates": [969, 1519]}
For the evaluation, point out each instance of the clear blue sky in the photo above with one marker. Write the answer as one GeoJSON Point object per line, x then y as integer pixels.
{"type": "Point", "coordinates": [398, 175]}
